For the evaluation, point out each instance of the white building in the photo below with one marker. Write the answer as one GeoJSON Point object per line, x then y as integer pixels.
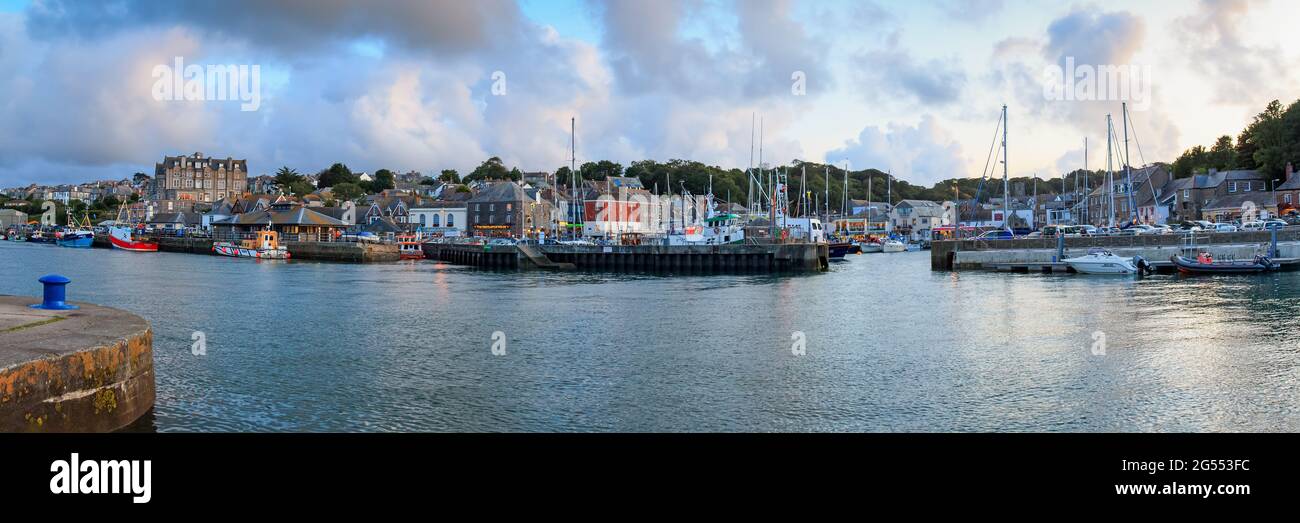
{"type": "Point", "coordinates": [440, 218]}
{"type": "Point", "coordinates": [915, 218]}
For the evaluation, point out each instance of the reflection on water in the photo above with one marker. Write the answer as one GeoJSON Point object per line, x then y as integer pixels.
{"type": "Point", "coordinates": [891, 346]}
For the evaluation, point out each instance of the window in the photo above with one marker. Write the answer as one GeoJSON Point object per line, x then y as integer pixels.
{"type": "Point", "coordinates": [422, 219]}
{"type": "Point", "coordinates": [492, 219]}
{"type": "Point", "coordinates": [451, 220]}
{"type": "Point", "coordinates": [433, 220]}
{"type": "Point", "coordinates": [1286, 197]}
{"type": "Point", "coordinates": [1248, 187]}
{"type": "Point", "coordinates": [508, 220]}
{"type": "Point", "coordinates": [1187, 194]}
{"type": "Point", "coordinates": [492, 207]}
{"type": "Point", "coordinates": [1232, 186]}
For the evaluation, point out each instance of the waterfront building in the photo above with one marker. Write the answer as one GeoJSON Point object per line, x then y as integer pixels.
{"type": "Point", "coordinates": [293, 221]}
{"type": "Point", "coordinates": [1136, 194]}
{"type": "Point", "coordinates": [440, 218]}
{"type": "Point", "coordinates": [199, 178]}
{"type": "Point", "coordinates": [172, 222]}
{"type": "Point", "coordinates": [1234, 206]}
{"type": "Point", "coordinates": [1287, 195]}
{"type": "Point", "coordinates": [12, 218]}
{"type": "Point", "coordinates": [1188, 198]}
{"type": "Point", "coordinates": [496, 210]}
{"type": "Point", "coordinates": [915, 218]}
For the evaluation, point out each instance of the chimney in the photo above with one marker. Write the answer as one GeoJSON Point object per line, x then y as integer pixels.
{"type": "Point", "coordinates": [1290, 170]}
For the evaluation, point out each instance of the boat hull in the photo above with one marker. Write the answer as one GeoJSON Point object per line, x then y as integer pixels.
{"type": "Point", "coordinates": [1189, 266]}
{"type": "Point", "coordinates": [235, 251]}
{"type": "Point", "coordinates": [79, 242]}
{"type": "Point", "coordinates": [839, 250]}
{"type": "Point", "coordinates": [871, 247]}
{"type": "Point", "coordinates": [893, 247]}
{"type": "Point", "coordinates": [121, 238]}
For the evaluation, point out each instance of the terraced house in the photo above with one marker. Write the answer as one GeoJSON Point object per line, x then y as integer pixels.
{"type": "Point", "coordinates": [199, 178]}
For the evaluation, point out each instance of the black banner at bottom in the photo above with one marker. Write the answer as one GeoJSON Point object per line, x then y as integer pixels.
{"type": "Point", "coordinates": [146, 472]}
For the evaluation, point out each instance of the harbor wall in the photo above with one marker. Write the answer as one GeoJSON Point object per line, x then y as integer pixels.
{"type": "Point", "coordinates": [685, 259]}
{"type": "Point", "coordinates": [84, 370]}
{"type": "Point", "coordinates": [354, 252]}
{"type": "Point", "coordinates": [971, 253]}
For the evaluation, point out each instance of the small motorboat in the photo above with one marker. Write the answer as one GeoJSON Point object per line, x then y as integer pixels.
{"type": "Point", "coordinates": [870, 246]}
{"type": "Point", "coordinates": [838, 250]}
{"type": "Point", "coordinates": [1102, 261]}
{"type": "Point", "coordinates": [1206, 264]}
{"type": "Point", "coordinates": [893, 246]}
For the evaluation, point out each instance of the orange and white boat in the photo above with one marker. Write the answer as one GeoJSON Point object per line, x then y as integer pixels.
{"type": "Point", "coordinates": [265, 245]}
{"type": "Point", "coordinates": [408, 247]}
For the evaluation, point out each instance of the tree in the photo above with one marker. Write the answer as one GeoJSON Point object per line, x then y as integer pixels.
{"type": "Point", "coordinates": [516, 175]}
{"type": "Point", "coordinates": [601, 170]}
{"type": "Point", "coordinates": [384, 180]}
{"type": "Point", "coordinates": [335, 174]}
{"type": "Point", "coordinates": [490, 169]}
{"type": "Point", "coordinates": [110, 201]}
{"type": "Point", "coordinates": [449, 176]}
{"type": "Point", "coordinates": [140, 178]}
{"type": "Point", "coordinates": [347, 191]}
{"type": "Point", "coordinates": [285, 176]}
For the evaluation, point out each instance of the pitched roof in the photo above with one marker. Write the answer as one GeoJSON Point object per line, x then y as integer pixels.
{"type": "Point", "coordinates": [297, 215]}
{"type": "Point", "coordinates": [501, 192]}
{"type": "Point", "coordinates": [1239, 200]}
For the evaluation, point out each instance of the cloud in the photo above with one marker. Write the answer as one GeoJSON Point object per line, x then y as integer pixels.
{"type": "Point", "coordinates": [292, 27]}
{"type": "Point", "coordinates": [971, 10]}
{"type": "Point", "coordinates": [1215, 43]}
{"type": "Point", "coordinates": [924, 153]}
{"type": "Point", "coordinates": [928, 82]}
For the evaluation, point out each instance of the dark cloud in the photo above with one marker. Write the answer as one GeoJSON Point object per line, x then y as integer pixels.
{"type": "Point", "coordinates": [292, 26]}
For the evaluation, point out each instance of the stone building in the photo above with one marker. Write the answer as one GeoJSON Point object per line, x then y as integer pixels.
{"type": "Point", "coordinates": [199, 178]}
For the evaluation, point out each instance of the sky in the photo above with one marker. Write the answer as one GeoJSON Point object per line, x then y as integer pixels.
{"type": "Point", "coordinates": [915, 88]}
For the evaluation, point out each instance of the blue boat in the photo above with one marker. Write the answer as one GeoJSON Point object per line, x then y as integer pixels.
{"type": "Point", "coordinates": [80, 239]}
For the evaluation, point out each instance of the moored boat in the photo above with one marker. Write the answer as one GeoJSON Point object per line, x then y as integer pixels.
{"type": "Point", "coordinates": [893, 246]}
{"type": "Point", "coordinates": [265, 245]}
{"type": "Point", "coordinates": [1206, 264]}
{"type": "Point", "coordinates": [79, 238]}
{"type": "Point", "coordinates": [1102, 261]}
{"type": "Point", "coordinates": [125, 238]}
{"type": "Point", "coordinates": [408, 247]}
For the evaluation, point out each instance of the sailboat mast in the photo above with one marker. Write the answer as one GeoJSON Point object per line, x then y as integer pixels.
{"type": "Point", "coordinates": [1006, 180]}
{"type": "Point", "coordinates": [1110, 176]}
{"type": "Point", "coordinates": [1128, 167]}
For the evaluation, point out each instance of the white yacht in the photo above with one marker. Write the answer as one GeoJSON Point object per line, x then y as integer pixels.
{"type": "Point", "coordinates": [1101, 261]}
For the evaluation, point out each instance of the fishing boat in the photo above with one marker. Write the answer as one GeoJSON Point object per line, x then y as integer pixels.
{"type": "Point", "coordinates": [1206, 264]}
{"type": "Point", "coordinates": [122, 235]}
{"type": "Point", "coordinates": [265, 245]}
{"type": "Point", "coordinates": [1102, 261]}
{"type": "Point", "coordinates": [408, 247]}
{"type": "Point", "coordinates": [893, 246]}
{"type": "Point", "coordinates": [839, 249]}
{"type": "Point", "coordinates": [79, 238]}
{"type": "Point", "coordinates": [39, 236]}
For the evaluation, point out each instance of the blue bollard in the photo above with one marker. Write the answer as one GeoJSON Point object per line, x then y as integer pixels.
{"type": "Point", "coordinates": [55, 293]}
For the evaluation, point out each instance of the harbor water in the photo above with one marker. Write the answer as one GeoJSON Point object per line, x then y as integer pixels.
{"type": "Point", "coordinates": [878, 343]}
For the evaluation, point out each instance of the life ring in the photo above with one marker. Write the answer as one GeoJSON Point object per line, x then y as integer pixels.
{"type": "Point", "coordinates": [717, 230]}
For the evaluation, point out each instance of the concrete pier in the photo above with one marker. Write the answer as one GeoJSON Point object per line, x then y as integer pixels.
{"type": "Point", "coordinates": [982, 254]}
{"type": "Point", "coordinates": [83, 370]}
{"type": "Point", "coordinates": [691, 259]}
